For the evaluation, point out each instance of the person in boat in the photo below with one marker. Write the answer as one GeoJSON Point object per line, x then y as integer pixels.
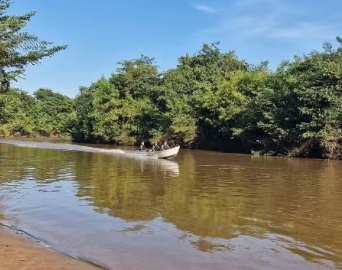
{"type": "Point", "coordinates": [142, 146]}
{"type": "Point", "coordinates": [155, 147]}
{"type": "Point", "coordinates": [165, 146]}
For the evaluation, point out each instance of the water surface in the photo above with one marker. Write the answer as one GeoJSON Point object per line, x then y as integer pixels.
{"type": "Point", "coordinates": [202, 210]}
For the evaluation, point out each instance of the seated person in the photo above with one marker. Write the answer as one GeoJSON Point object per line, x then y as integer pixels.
{"type": "Point", "coordinates": [155, 147]}
{"type": "Point", "coordinates": [142, 146]}
{"type": "Point", "coordinates": [165, 146]}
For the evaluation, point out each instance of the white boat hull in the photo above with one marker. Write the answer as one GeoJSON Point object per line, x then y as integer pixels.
{"type": "Point", "coordinates": [169, 153]}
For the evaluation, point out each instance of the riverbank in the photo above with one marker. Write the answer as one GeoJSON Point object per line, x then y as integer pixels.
{"type": "Point", "coordinates": [18, 251]}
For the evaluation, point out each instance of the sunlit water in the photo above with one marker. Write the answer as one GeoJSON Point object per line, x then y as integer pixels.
{"type": "Point", "coordinates": [201, 210]}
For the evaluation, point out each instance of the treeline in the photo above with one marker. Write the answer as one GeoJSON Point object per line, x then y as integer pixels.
{"type": "Point", "coordinates": [211, 100]}
{"type": "Point", "coordinates": [46, 113]}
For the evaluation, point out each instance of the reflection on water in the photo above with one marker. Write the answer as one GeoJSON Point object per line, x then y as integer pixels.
{"type": "Point", "coordinates": [203, 210]}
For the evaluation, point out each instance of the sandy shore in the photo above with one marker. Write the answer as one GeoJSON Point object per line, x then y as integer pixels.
{"type": "Point", "coordinates": [18, 252]}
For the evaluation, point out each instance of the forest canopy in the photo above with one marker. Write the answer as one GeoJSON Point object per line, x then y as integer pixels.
{"type": "Point", "coordinates": [210, 100]}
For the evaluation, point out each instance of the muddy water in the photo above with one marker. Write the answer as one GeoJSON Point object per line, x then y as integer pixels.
{"type": "Point", "coordinates": [202, 210]}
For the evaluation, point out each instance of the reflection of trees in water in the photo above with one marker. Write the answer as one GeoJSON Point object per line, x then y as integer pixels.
{"type": "Point", "coordinates": [205, 244]}
{"type": "Point", "coordinates": [202, 203]}
{"type": "Point", "coordinates": [42, 165]}
{"type": "Point", "coordinates": [121, 187]}
{"type": "Point", "coordinates": [214, 196]}
{"type": "Point", "coordinates": [134, 228]}
{"type": "Point", "coordinates": [209, 246]}
{"type": "Point", "coordinates": [254, 196]}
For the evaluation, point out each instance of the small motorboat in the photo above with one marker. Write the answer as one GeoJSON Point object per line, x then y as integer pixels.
{"type": "Point", "coordinates": [168, 153]}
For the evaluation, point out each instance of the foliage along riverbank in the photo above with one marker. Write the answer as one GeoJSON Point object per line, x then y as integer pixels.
{"type": "Point", "coordinates": [211, 100]}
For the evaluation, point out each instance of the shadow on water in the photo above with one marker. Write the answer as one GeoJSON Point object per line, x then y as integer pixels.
{"type": "Point", "coordinates": [249, 211]}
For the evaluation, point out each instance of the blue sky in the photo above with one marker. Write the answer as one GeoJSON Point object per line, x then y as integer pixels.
{"type": "Point", "coordinates": [103, 32]}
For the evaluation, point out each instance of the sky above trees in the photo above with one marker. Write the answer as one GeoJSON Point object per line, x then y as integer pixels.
{"type": "Point", "coordinates": [101, 33]}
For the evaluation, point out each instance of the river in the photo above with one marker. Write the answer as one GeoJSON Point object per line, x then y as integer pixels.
{"type": "Point", "coordinates": [201, 210]}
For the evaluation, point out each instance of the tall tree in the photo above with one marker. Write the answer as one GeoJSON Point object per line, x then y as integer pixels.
{"type": "Point", "coordinates": [84, 110]}
{"type": "Point", "coordinates": [18, 48]}
{"type": "Point", "coordinates": [137, 82]}
{"type": "Point", "coordinates": [53, 112]}
{"type": "Point", "coordinates": [16, 113]}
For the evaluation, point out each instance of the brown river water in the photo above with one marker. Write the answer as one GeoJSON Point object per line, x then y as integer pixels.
{"type": "Point", "coordinates": [201, 210]}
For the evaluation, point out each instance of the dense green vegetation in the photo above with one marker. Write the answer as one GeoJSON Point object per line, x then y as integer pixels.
{"type": "Point", "coordinates": [209, 100]}
{"type": "Point", "coordinates": [21, 114]}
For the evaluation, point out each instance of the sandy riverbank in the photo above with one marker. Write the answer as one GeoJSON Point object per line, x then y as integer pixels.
{"type": "Point", "coordinates": [18, 252]}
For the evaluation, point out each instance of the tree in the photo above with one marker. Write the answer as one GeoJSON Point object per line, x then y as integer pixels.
{"type": "Point", "coordinates": [195, 92]}
{"type": "Point", "coordinates": [84, 110]}
{"type": "Point", "coordinates": [318, 86]}
{"type": "Point", "coordinates": [17, 48]}
{"type": "Point", "coordinates": [16, 113]}
{"type": "Point", "coordinates": [106, 110]}
{"type": "Point", "coordinates": [53, 112]}
{"type": "Point", "coordinates": [137, 82]}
